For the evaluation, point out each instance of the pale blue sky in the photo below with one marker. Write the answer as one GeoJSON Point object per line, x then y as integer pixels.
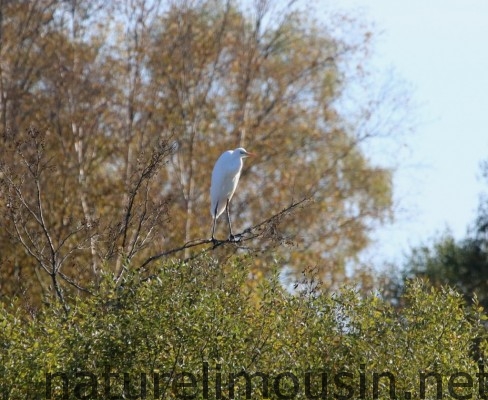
{"type": "Point", "coordinates": [440, 48]}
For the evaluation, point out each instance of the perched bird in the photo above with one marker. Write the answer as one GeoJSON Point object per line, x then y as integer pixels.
{"type": "Point", "coordinates": [225, 177]}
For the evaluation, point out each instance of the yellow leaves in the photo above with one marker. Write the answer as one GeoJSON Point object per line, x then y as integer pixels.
{"type": "Point", "coordinates": [210, 77]}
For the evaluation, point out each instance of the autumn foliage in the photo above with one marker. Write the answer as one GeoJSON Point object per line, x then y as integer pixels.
{"type": "Point", "coordinates": [112, 117]}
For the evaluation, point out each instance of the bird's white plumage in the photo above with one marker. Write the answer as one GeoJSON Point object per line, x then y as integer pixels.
{"type": "Point", "coordinates": [225, 177]}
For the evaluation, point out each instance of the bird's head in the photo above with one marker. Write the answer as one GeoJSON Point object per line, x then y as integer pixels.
{"type": "Point", "coordinates": [243, 153]}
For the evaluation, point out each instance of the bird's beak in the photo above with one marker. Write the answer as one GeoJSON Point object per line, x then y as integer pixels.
{"type": "Point", "coordinates": [250, 154]}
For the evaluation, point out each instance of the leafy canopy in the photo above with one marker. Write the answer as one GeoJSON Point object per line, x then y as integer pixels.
{"type": "Point", "coordinates": [189, 314]}
{"type": "Point", "coordinates": [112, 118]}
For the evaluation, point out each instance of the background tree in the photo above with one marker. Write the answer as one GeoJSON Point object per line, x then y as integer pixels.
{"type": "Point", "coordinates": [126, 116]}
{"type": "Point", "coordinates": [76, 160]}
{"type": "Point", "coordinates": [462, 264]}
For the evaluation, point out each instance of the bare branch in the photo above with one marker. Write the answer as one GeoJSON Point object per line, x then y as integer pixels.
{"type": "Point", "coordinates": [44, 227]}
{"type": "Point", "coordinates": [246, 235]}
{"type": "Point", "coordinates": [129, 246]}
{"type": "Point", "coordinates": [74, 284]}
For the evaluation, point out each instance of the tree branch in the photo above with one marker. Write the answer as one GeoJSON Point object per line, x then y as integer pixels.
{"type": "Point", "coordinates": [246, 235]}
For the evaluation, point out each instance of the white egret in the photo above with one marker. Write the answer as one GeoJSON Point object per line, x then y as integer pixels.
{"type": "Point", "coordinates": [225, 177]}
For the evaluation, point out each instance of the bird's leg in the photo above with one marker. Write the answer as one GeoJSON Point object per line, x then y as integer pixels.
{"type": "Point", "coordinates": [227, 207]}
{"type": "Point", "coordinates": [214, 223]}
{"type": "Point", "coordinates": [213, 230]}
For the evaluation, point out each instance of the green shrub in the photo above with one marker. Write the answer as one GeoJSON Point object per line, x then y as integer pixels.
{"type": "Point", "coordinates": [197, 323]}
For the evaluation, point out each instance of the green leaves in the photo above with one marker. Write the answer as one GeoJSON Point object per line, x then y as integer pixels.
{"type": "Point", "coordinates": [202, 312]}
{"type": "Point", "coordinates": [461, 264]}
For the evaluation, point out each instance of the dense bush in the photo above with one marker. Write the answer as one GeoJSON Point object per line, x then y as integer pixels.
{"type": "Point", "coordinates": [193, 325]}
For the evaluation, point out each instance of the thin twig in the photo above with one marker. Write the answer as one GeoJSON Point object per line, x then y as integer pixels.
{"type": "Point", "coordinates": [73, 283]}
{"type": "Point", "coordinates": [247, 234]}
